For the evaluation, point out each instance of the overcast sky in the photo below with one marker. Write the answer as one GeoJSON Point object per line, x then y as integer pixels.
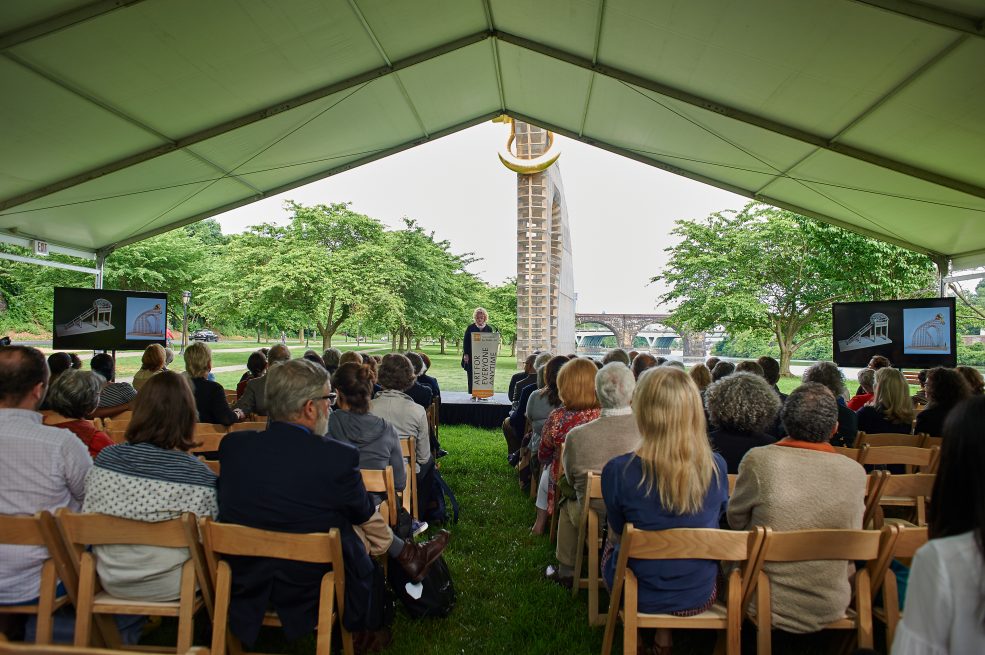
{"type": "Point", "coordinates": [620, 211]}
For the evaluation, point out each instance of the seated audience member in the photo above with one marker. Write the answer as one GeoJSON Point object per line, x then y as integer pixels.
{"type": "Point", "coordinates": [73, 396]}
{"type": "Point", "coordinates": [152, 477]}
{"type": "Point", "coordinates": [945, 389]}
{"type": "Point", "coordinates": [331, 359]}
{"type": "Point", "coordinates": [527, 376]}
{"type": "Point", "coordinates": [974, 379]}
{"type": "Point", "coordinates": [151, 363]}
{"type": "Point", "coordinates": [722, 369]}
{"type": "Point", "coordinates": [168, 358]}
{"type": "Point", "coordinates": [426, 379]}
{"type": "Point", "coordinates": [877, 362]}
{"type": "Point", "coordinates": [712, 362]}
{"type": "Point", "coordinates": [377, 441]}
{"type": "Point", "coordinates": [579, 404]}
{"type": "Point", "coordinates": [41, 467]}
{"type": "Point", "coordinates": [660, 361]}
{"type": "Point", "coordinates": [314, 358]}
{"type": "Point", "coordinates": [373, 365]}
{"type": "Point", "coordinates": [740, 407]}
{"type": "Point", "coordinates": [616, 355]}
{"type": "Point", "coordinates": [58, 363]}
{"type": "Point", "coordinates": [771, 371]}
{"type": "Point", "coordinates": [589, 447]}
{"type": "Point", "coordinates": [944, 593]}
{"type": "Point", "coordinates": [867, 384]}
{"type": "Point", "coordinates": [210, 397]}
{"type": "Point", "coordinates": [351, 356]}
{"type": "Point", "coordinates": [419, 393]}
{"type": "Point", "coordinates": [544, 401]}
{"type": "Point", "coordinates": [289, 479]}
{"type": "Point", "coordinates": [920, 397]}
{"type": "Point", "coordinates": [256, 366]}
{"type": "Point", "coordinates": [632, 356]}
{"type": "Point", "coordinates": [672, 480]}
{"type": "Point", "coordinates": [115, 397]}
{"type": "Point", "coordinates": [642, 362]}
{"type": "Point", "coordinates": [701, 376]}
{"type": "Point", "coordinates": [515, 424]}
{"type": "Point", "coordinates": [828, 374]}
{"type": "Point", "coordinates": [890, 410]}
{"type": "Point", "coordinates": [750, 366]}
{"type": "Point", "coordinates": [253, 401]}
{"type": "Point", "coordinates": [76, 361]}
{"type": "Point", "coordinates": [396, 408]}
{"type": "Point", "coordinates": [788, 486]}
{"type": "Point", "coordinates": [673, 363]}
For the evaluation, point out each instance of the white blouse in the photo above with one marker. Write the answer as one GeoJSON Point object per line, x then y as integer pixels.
{"type": "Point", "coordinates": [945, 600]}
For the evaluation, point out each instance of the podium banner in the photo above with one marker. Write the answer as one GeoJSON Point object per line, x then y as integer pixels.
{"type": "Point", "coordinates": [485, 346]}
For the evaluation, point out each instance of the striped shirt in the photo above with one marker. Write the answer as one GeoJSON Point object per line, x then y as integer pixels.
{"type": "Point", "coordinates": [116, 393]}
{"type": "Point", "coordinates": [41, 467]}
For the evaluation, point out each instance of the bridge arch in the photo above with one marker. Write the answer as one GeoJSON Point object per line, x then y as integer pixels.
{"type": "Point", "coordinates": [625, 327]}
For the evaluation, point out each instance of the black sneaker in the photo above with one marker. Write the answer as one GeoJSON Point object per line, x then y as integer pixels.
{"type": "Point", "coordinates": [441, 453]}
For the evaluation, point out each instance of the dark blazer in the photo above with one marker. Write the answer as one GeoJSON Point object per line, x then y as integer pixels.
{"type": "Point", "coordinates": [847, 426]}
{"type": "Point", "coordinates": [431, 383]}
{"type": "Point", "coordinates": [289, 480]}
{"type": "Point", "coordinates": [518, 417]}
{"type": "Point", "coordinates": [733, 446]}
{"type": "Point", "coordinates": [871, 420]}
{"type": "Point", "coordinates": [519, 378]}
{"type": "Point", "coordinates": [420, 395]}
{"type": "Point", "coordinates": [467, 342]}
{"type": "Point", "coordinates": [210, 399]}
{"type": "Point", "coordinates": [931, 420]}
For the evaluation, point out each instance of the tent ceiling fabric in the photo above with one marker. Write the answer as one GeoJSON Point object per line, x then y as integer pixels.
{"type": "Point", "coordinates": [123, 119]}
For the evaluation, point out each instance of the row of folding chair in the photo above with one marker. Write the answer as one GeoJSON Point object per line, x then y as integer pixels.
{"type": "Point", "coordinates": [891, 439]}
{"type": "Point", "coordinates": [13, 648]}
{"type": "Point", "coordinates": [205, 577]}
{"type": "Point", "coordinates": [915, 458]}
{"type": "Point", "coordinates": [750, 551]}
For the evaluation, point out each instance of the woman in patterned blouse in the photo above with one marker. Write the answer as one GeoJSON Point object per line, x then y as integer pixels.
{"type": "Point", "coordinates": [576, 387]}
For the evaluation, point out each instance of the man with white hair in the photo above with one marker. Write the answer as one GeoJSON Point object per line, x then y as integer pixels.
{"type": "Point", "coordinates": [587, 448]}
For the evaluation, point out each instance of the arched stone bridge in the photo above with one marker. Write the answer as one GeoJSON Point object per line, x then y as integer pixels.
{"type": "Point", "coordinates": [625, 327]}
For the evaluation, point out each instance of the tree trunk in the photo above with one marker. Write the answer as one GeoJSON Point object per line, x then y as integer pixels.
{"type": "Point", "coordinates": [393, 342]}
{"type": "Point", "coordinates": [456, 345]}
{"type": "Point", "coordinates": [442, 342]}
{"type": "Point", "coordinates": [258, 334]}
{"type": "Point", "coordinates": [786, 353]}
{"type": "Point", "coordinates": [418, 342]}
{"type": "Point", "coordinates": [400, 342]}
{"type": "Point", "coordinates": [301, 336]}
{"type": "Point", "coordinates": [513, 348]}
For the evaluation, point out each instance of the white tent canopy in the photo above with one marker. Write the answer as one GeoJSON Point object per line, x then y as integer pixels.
{"type": "Point", "coordinates": [123, 119]}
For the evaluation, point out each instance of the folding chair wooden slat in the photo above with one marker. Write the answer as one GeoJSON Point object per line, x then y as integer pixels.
{"type": "Point", "coordinates": [907, 490]}
{"type": "Point", "coordinates": [683, 543]}
{"type": "Point", "coordinates": [889, 455]}
{"type": "Point", "coordinates": [28, 531]}
{"type": "Point", "coordinates": [590, 540]}
{"type": "Point", "coordinates": [80, 531]}
{"type": "Point", "coordinates": [381, 482]}
{"type": "Point", "coordinates": [408, 448]}
{"type": "Point", "coordinates": [816, 545]}
{"type": "Point", "coordinates": [877, 440]}
{"type": "Point", "coordinates": [319, 548]}
{"type": "Point", "coordinates": [905, 546]}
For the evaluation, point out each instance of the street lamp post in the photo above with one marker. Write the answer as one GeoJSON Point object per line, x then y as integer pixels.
{"type": "Point", "coordinates": [186, 297]}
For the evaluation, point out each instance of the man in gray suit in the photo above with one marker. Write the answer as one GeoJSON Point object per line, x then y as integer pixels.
{"type": "Point", "coordinates": [253, 400]}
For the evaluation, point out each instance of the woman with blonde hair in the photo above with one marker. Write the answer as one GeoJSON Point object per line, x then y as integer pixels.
{"type": "Point", "coordinates": [479, 324]}
{"type": "Point", "coordinates": [890, 409]}
{"type": "Point", "coordinates": [576, 388]}
{"type": "Point", "coordinates": [152, 362]}
{"type": "Point", "coordinates": [701, 376]}
{"type": "Point", "coordinates": [672, 480]}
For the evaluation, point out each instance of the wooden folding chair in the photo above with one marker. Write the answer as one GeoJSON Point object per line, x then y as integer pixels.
{"type": "Point", "coordinates": [908, 490]}
{"type": "Point", "coordinates": [8, 648]}
{"type": "Point", "coordinates": [209, 436]}
{"type": "Point", "coordinates": [877, 440]}
{"type": "Point", "coordinates": [408, 448]}
{"type": "Point", "coordinates": [684, 543]}
{"type": "Point", "coordinates": [590, 539]}
{"type": "Point", "coordinates": [850, 453]}
{"type": "Point", "coordinates": [83, 530]}
{"type": "Point", "coordinates": [732, 477]}
{"type": "Point", "coordinates": [873, 492]}
{"type": "Point", "coordinates": [118, 436]}
{"type": "Point", "coordinates": [381, 482]}
{"type": "Point", "coordinates": [224, 539]}
{"type": "Point", "coordinates": [905, 545]}
{"type": "Point", "coordinates": [930, 442]}
{"type": "Point", "coordinates": [231, 397]}
{"type": "Point", "coordinates": [28, 531]}
{"type": "Point", "coordinates": [434, 416]}
{"type": "Point", "coordinates": [248, 425]}
{"type": "Point", "coordinates": [120, 421]}
{"type": "Point", "coordinates": [213, 464]}
{"type": "Point", "coordinates": [817, 545]}
{"type": "Point", "coordinates": [911, 456]}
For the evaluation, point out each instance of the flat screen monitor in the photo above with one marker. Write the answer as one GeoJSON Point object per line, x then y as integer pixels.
{"type": "Point", "coordinates": [108, 319]}
{"type": "Point", "coordinates": [917, 333]}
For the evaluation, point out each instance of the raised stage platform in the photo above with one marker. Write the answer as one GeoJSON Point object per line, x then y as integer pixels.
{"type": "Point", "coordinates": [457, 407]}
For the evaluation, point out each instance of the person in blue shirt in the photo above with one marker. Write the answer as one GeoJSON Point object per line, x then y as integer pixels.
{"type": "Point", "coordinates": [672, 480]}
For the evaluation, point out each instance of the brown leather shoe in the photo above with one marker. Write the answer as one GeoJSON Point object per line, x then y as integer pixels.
{"type": "Point", "coordinates": [416, 559]}
{"type": "Point", "coordinates": [371, 642]}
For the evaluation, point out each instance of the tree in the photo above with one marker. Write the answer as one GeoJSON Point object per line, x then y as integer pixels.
{"type": "Point", "coordinates": [501, 303]}
{"type": "Point", "coordinates": [775, 273]}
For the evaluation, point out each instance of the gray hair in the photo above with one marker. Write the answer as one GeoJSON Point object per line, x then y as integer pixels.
{"type": "Point", "coordinates": [810, 413]}
{"type": "Point", "coordinates": [331, 357]}
{"type": "Point", "coordinates": [74, 393]}
{"type": "Point", "coordinates": [828, 374]}
{"type": "Point", "coordinates": [542, 359]}
{"type": "Point", "coordinates": [616, 355]}
{"type": "Point", "coordinates": [743, 402]}
{"type": "Point", "coordinates": [291, 384]}
{"type": "Point", "coordinates": [168, 356]}
{"type": "Point", "coordinates": [614, 386]}
{"type": "Point", "coordinates": [673, 363]}
{"type": "Point", "coordinates": [867, 378]}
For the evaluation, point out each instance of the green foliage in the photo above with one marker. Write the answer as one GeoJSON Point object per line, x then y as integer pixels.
{"type": "Point", "coordinates": [775, 274]}
{"type": "Point", "coordinates": [748, 344]}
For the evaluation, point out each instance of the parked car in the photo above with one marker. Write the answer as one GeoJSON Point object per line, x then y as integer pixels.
{"type": "Point", "coordinates": [204, 335]}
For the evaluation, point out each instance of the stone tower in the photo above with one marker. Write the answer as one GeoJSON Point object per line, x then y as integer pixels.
{"type": "Point", "coordinates": [545, 276]}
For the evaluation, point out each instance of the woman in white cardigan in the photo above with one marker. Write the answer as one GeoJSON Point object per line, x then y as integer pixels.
{"type": "Point", "coordinates": [945, 594]}
{"type": "Point", "coordinates": [397, 408]}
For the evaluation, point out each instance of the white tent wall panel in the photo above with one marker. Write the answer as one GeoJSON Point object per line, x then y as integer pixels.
{"type": "Point", "coordinates": [570, 25]}
{"type": "Point", "coordinates": [51, 133]}
{"type": "Point", "coordinates": [406, 28]}
{"type": "Point", "coordinates": [467, 86]}
{"type": "Point", "coordinates": [224, 58]}
{"type": "Point", "coordinates": [537, 85]}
